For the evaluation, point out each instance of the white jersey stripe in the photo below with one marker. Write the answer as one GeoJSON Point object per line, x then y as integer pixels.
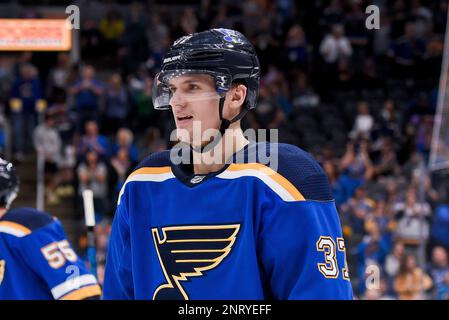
{"type": "Point", "coordinates": [12, 231]}
{"type": "Point", "coordinates": [72, 284]}
{"type": "Point", "coordinates": [271, 183]}
{"type": "Point", "coordinates": [158, 177]}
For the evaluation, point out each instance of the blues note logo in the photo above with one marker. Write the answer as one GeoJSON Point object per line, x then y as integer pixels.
{"type": "Point", "coordinates": [189, 251]}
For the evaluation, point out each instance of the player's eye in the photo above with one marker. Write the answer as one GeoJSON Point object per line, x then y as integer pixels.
{"type": "Point", "coordinates": [193, 86]}
{"type": "Point", "coordinates": [171, 89]}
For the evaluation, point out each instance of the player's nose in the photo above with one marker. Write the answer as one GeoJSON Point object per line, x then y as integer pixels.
{"type": "Point", "coordinates": [178, 100]}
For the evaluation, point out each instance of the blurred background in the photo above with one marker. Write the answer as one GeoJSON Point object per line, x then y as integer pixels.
{"type": "Point", "coordinates": [364, 102]}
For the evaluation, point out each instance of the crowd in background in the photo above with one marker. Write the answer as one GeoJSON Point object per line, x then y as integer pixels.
{"type": "Point", "coordinates": [362, 101]}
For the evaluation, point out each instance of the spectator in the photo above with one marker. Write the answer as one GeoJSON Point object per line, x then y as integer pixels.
{"type": "Point", "coordinates": [371, 251]}
{"type": "Point", "coordinates": [407, 51]}
{"type": "Point", "coordinates": [296, 46]}
{"type": "Point", "coordinates": [6, 77]}
{"type": "Point", "coordinates": [3, 135]}
{"type": "Point", "coordinates": [134, 48]}
{"type": "Point", "coordinates": [48, 143]}
{"type": "Point", "coordinates": [265, 41]}
{"type": "Point", "coordinates": [64, 123]}
{"type": "Point", "coordinates": [356, 164]}
{"type": "Point", "coordinates": [117, 105]}
{"type": "Point", "coordinates": [91, 140]}
{"type": "Point", "coordinates": [390, 122]}
{"type": "Point", "coordinates": [65, 120]}
{"type": "Point", "coordinates": [387, 163]}
{"type": "Point", "coordinates": [345, 80]}
{"type": "Point", "coordinates": [303, 95]}
{"type": "Point", "coordinates": [221, 19]}
{"type": "Point", "coordinates": [411, 215]}
{"type": "Point", "coordinates": [382, 215]}
{"type": "Point", "coordinates": [26, 99]}
{"type": "Point", "coordinates": [145, 114]}
{"type": "Point", "coordinates": [157, 30]}
{"type": "Point", "coordinates": [419, 177]}
{"type": "Point", "coordinates": [411, 281]}
{"type": "Point", "coordinates": [332, 14]}
{"type": "Point", "coordinates": [58, 78]}
{"type": "Point", "coordinates": [338, 190]}
{"type": "Point", "coordinates": [369, 82]}
{"type": "Point", "coordinates": [111, 28]}
{"type": "Point", "coordinates": [335, 48]}
{"type": "Point", "coordinates": [380, 293]}
{"type": "Point", "coordinates": [356, 31]}
{"type": "Point", "coordinates": [152, 142]}
{"type": "Point", "coordinates": [363, 123]}
{"type": "Point", "coordinates": [92, 174]}
{"type": "Point", "coordinates": [86, 92]}
{"type": "Point", "coordinates": [122, 166]}
{"type": "Point", "coordinates": [188, 21]}
{"type": "Point", "coordinates": [268, 113]}
{"type": "Point", "coordinates": [443, 288]}
{"type": "Point", "coordinates": [125, 140]}
{"type": "Point", "coordinates": [91, 40]}
{"type": "Point", "coordinates": [24, 59]}
{"type": "Point", "coordinates": [440, 226]}
{"type": "Point", "coordinates": [393, 260]}
{"type": "Point", "coordinates": [335, 45]}
{"type": "Point", "coordinates": [66, 169]}
{"type": "Point", "coordinates": [102, 232]}
{"type": "Point", "coordinates": [358, 209]}
{"type": "Point", "coordinates": [439, 266]}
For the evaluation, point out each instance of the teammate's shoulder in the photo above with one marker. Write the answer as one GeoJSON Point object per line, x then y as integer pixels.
{"type": "Point", "coordinates": [155, 160]}
{"type": "Point", "coordinates": [297, 166]}
{"type": "Point", "coordinates": [23, 221]}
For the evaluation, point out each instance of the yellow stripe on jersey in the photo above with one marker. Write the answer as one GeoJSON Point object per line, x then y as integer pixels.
{"type": "Point", "coordinates": [279, 184]}
{"type": "Point", "coordinates": [83, 293]}
{"type": "Point", "coordinates": [150, 170]}
{"type": "Point", "coordinates": [14, 228]}
{"type": "Point", "coordinates": [155, 174]}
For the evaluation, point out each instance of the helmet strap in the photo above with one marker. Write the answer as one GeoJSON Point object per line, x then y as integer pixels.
{"type": "Point", "coordinates": [225, 123]}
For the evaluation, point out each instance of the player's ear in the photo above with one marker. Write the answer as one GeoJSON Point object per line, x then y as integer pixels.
{"type": "Point", "coordinates": [236, 97]}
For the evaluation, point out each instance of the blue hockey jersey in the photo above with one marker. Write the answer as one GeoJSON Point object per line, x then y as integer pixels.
{"type": "Point", "coordinates": [244, 232]}
{"type": "Point", "coordinates": [37, 262]}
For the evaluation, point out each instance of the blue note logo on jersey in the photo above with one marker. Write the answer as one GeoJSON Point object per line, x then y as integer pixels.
{"type": "Point", "coordinates": [188, 251]}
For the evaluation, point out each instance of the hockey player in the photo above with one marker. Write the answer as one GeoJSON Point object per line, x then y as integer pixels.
{"type": "Point", "coordinates": [242, 228]}
{"type": "Point", "coordinates": [36, 260]}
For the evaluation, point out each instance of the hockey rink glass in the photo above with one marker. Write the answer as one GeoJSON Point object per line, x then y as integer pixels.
{"type": "Point", "coordinates": [188, 86]}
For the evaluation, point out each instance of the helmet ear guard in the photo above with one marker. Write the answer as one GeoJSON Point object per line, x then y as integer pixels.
{"type": "Point", "coordinates": [9, 183]}
{"type": "Point", "coordinates": [7, 201]}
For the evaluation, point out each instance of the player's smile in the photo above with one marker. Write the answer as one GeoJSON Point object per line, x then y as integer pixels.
{"type": "Point", "coordinates": [183, 120]}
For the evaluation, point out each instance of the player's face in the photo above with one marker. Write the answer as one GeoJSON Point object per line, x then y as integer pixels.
{"type": "Point", "coordinates": [194, 102]}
